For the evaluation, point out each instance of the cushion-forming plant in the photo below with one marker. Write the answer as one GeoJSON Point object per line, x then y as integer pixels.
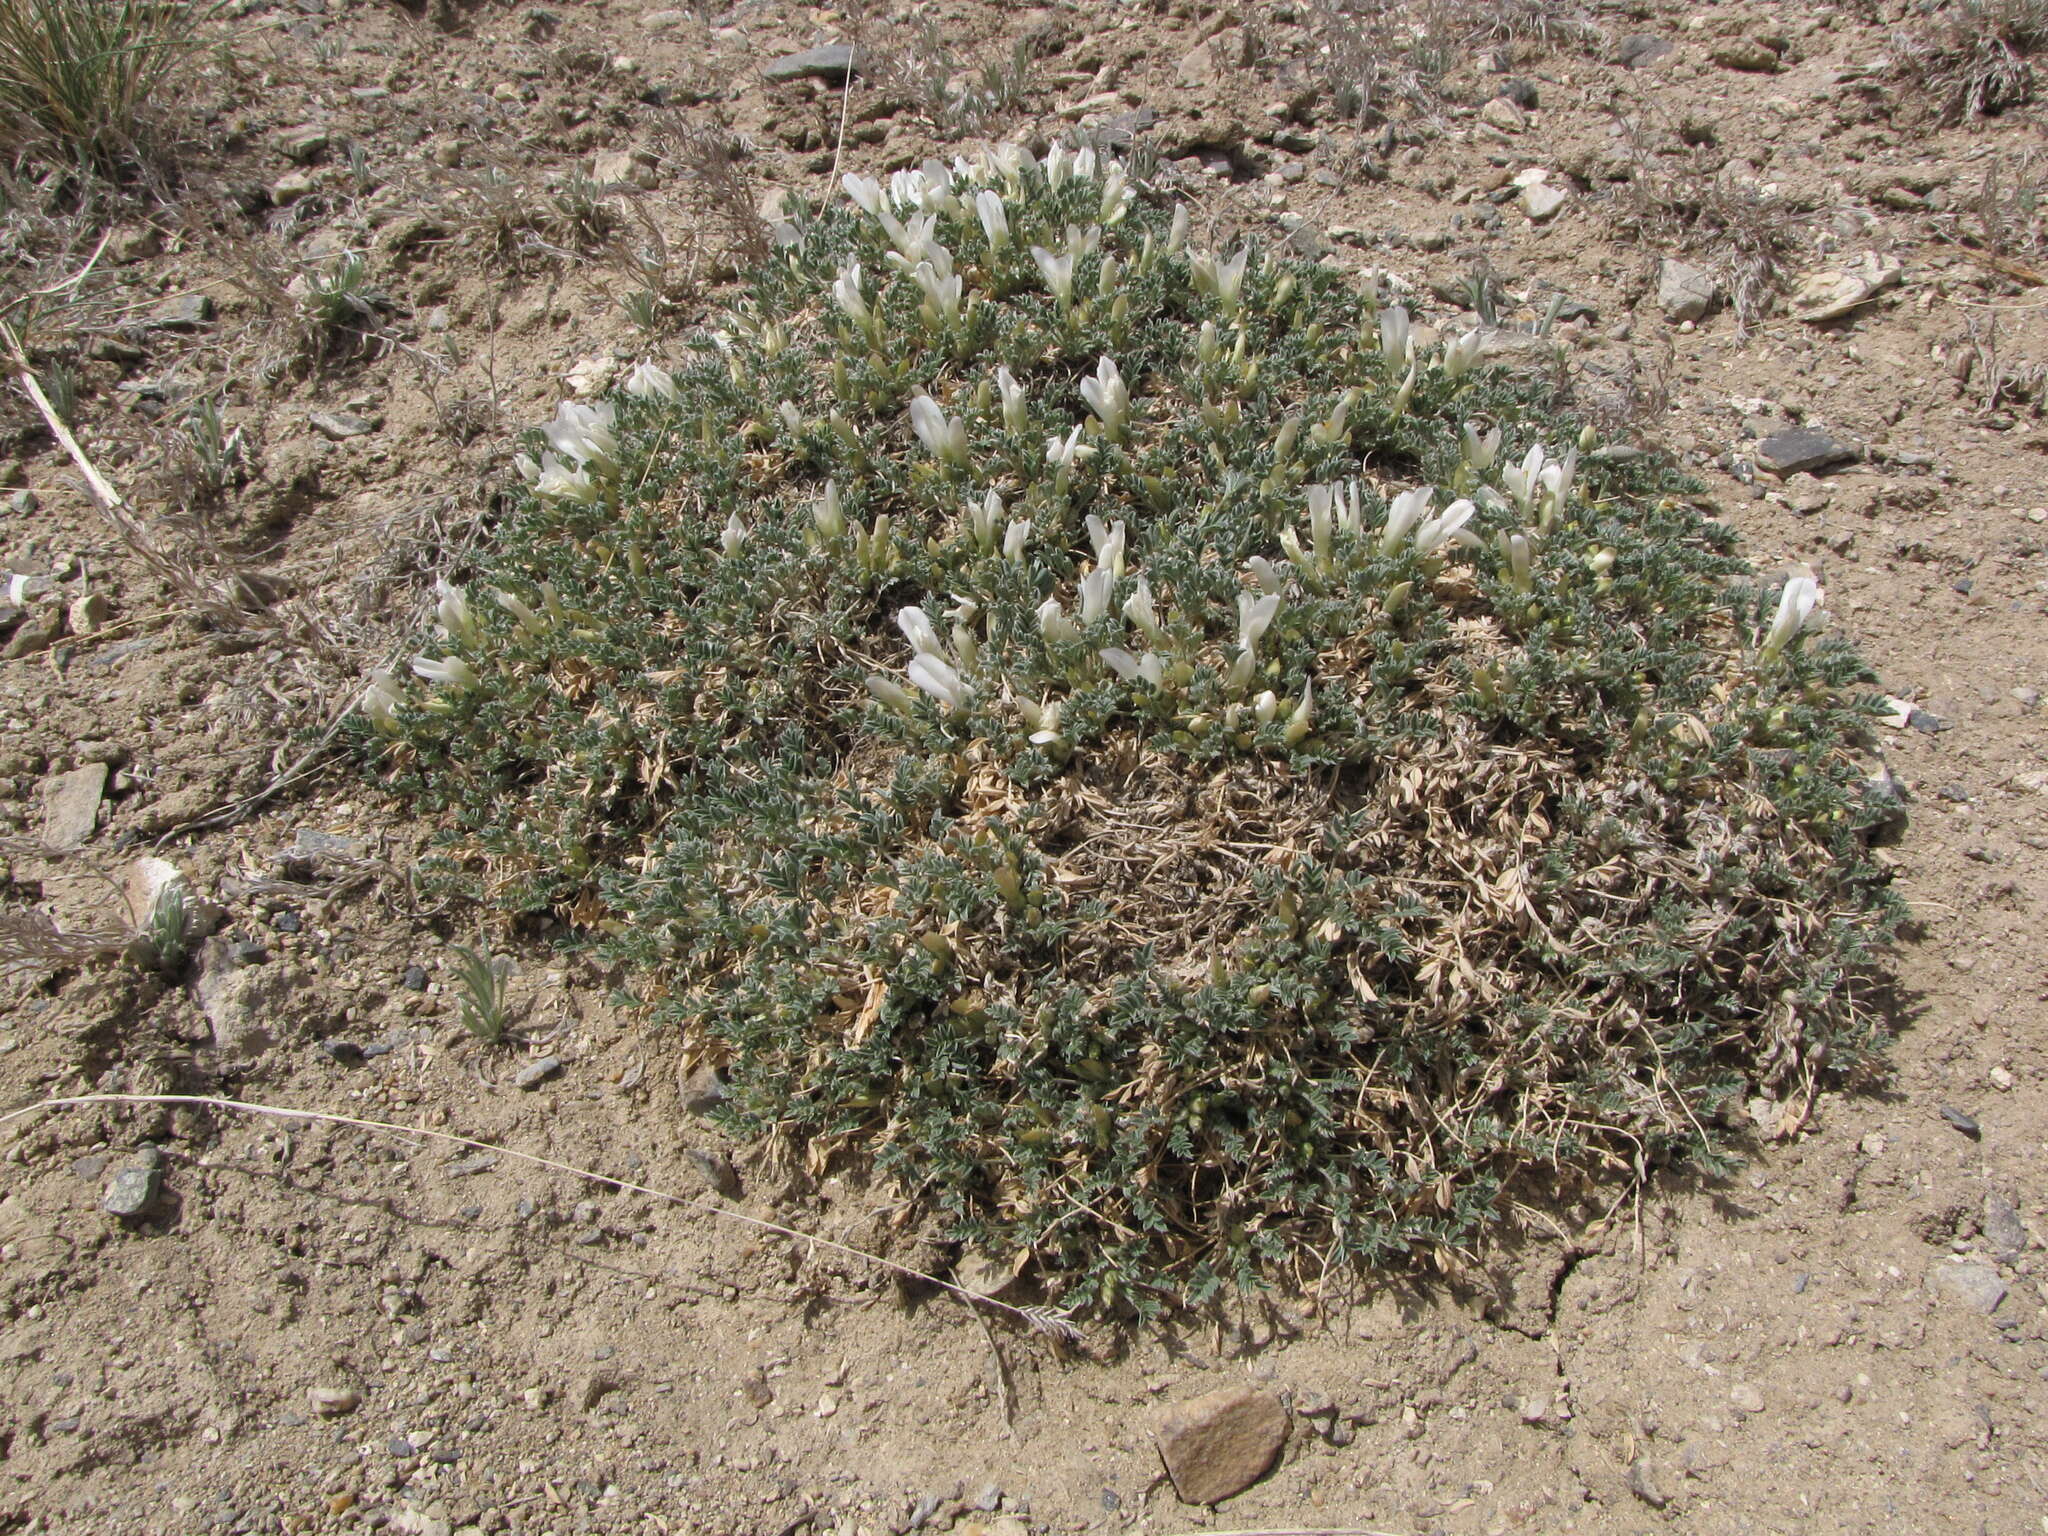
{"type": "Point", "coordinates": [1190, 776]}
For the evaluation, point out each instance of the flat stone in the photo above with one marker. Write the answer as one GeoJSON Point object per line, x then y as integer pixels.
{"type": "Point", "coordinates": [717, 1171]}
{"type": "Point", "coordinates": [136, 243]}
{"type": "Point", "coordinates": [1745, 54]}
{"type": "Point", "coordinates": [1746, 1398]}
{"type": "Point", "coordinates": [334, 1402]}
{"type": "Point", "coordinates": [1800, 449]}
{"type": "Point", "coordinates": [1685, 292]}
{"type": "Point", "coordinates": [663, 21]}
{"type": "Point", "coordinates": [132, 1191]}
{"type": "Point", "coordinates": [534, 1073]}
{"type": "Point", "coordinates": [701, 1091]}
{"type": "Point", "coordinates": [626, 168]}
{"type": "Point", "coordinates": [186, 312]}
{"type": "Point", "coordinates": [1122, 130]}
{"type": "Point", "coordinates": [1648, 1482]}
{"type": "Point", "coordinates": [1819, 297]}
{"type": "Point", "coordinates": [2004, 1233]}
{"type": "Point", "coordinates": [339, 425]}
{"type": "Point", "coordinates": [71, 806]}
{"type": "Point", "coordinates": [1542, 199]}
{"type": "Point", "coordinates": [1975, 1287]}
{"type": "Point", "coordinates": [1504, 115]}
{"type": "Point", "coordinates": [1642, 52]}
{"type": "Point", "coordinates": [831, 64]}
{"type": "Point", "coordinates": [302, 144]}
{"type": "Point", "coordinates": [1220, 1444]}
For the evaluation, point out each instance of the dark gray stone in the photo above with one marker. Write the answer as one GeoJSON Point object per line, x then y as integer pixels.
{"type": "Point", "coordinates": [1800, 449]}
{"type": "Point", "coordinates": [339, 425]}
{"type": "Point", "coordinates": [1642, 52]}
{"type": "Point", "coordinates": [2004, 1233]}
{"type": "Point", "coordinates": [831, 64]}
{"type": "Point", "coordinates": [534, 1073]}
{"type": "Point", "coordinates": [186, 312]}
{"type": "Point", "coordinates": [132, 1191]}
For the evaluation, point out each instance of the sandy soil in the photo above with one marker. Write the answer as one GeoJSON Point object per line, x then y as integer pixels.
{"type": "Point", "coordinates": [314, 1329]}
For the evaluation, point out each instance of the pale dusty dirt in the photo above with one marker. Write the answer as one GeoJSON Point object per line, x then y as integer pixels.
{"type": "Point", "coordinates": [1773, 1353]}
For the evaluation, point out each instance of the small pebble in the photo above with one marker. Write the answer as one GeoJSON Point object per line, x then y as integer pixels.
{"type": "Point", "coordinates": [534, 1073]}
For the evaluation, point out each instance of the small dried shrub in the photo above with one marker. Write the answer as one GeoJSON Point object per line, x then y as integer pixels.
{"type": "Point", "coordinates": [1970, 58]}
{"type": "Point", "coordinates": [80, 80]}
{"type": "Point", "coordinates": [1098, 734]}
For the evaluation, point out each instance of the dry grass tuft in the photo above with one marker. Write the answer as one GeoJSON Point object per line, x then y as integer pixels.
{"type": "Point", "coordinates": [1970, 58]}
{"type": "Point", "coordinates": [81, 81]}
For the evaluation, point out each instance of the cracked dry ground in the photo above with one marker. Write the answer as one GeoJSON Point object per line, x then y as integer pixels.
{"type": "Point", "coordinates": [317, 1330]}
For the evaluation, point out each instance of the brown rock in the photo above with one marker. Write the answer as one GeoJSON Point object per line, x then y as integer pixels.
{"type": "Point", "coordinates": [1220, 1444]}
{"type": "Point", "coordinates": [1746, 54]}
{"type": "Point", "coordinates": [71, 806]}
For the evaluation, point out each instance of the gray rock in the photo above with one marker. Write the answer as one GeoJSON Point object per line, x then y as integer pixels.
{"type": "Point", "coordinates": [303, 144]}
{"type": "Point", "coordinates": [1542, 199]}
{"type": "Point", "coordinates": [89, 613]}
{"type": "Point", "coordinates": [1685, 292]}
{"type": "Point", "coordinates": [1220, 1444]}
{"type": "Point", "coordinates": [2004, 1233]}
{"type": "Point", "coordinates": [339, 425]}
{"type": "Point", "coordinates": [186, 312]}
{"type": "Point", "coordinates": [664, 21]}
{"type": "Point", "coordinates": [831, 64]}
{"type": "Point", "coordinates": [1745, 54]}
{"type": "Point", "coordinates": [1647, 1481]}
{"type": "Point", "coordinates": [241, 1002]}
{"type": "Point", "coordinates": [71, 806]}
{"type": "Point", "coordinates": [717, 1170]}
{"type": "Point", "coordinates": [701, 1091]}
{"type": "Point", "coordinates": [1972, 1286]}
{"type": "Point", "coordinates": [1122, 130]}
{"type": "Point", "coordinates": [534, 1073]}
{"type": "Point", "coordinates": [1642, 52]}
{"type": "Point", "coordinates": [1800, 448]}
{"type": "Point", "coordinates": [132, 1191]}
{"type": "Point", "coordinates": [334, 1402]}
{"type": "Point", "coordinates": [35, 634]}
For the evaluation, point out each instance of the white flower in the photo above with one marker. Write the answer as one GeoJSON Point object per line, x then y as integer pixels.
{"type": "Point", "coordinates": [826, 513]}
{"type": "Point", "coordinates": [1044, 720]}
{"type": "Point", "coordinates": [528, 621]}
{"type": "Point", "coordinates": [559, 482]}
{"type": "Point", "coordinates": [864, 190]}
{"type": "Point", "coordinates": [733, 535]}
{"type": "Point", "coordinates": [1058, 272]}
{"type": "Point", "coordinates": [1107, 397]}
{"type": "Point", "coordinates": [1266, 707]}
{"type": "Point", "coordinates": [1208, 343]}
{"type": "Point", "coordinates": [891, 693]}
{"type": "Point", "coordinates": [583, 434]}
{"type": "Point", "coordinates": [946, 440]}
{"type": "Point", "coordinates": [649, 381]}
{"type": "Point", "coordinates": [1108, 541]}
{"type": "Point", "coordinates": [448, 672]}
{"type": "Point", "coordinates": [1394, 329]}
{"type": "Point", "coordinates": [1121, 662]}
{"type": "Point", "coordinates": [1177, 232]}
{"type": "Point", "coordinates": [941, 294]}
{"type": "Point", "coordinates": [1517, 553]}
{"type": "Point", "coordinates": [918, 630]}
{"type": "Point", "coordinates": [1015, 538]}
{"type": "Point", "coordinates": [1557, 478]}
{"type": "Point", "coordinates": [938, 678]}
{"type": "Point", "coordinates": [1525, 480]}
{"type": "Point", "coordinates": [1798, 605]}
{"type": "Point", "coordinates": [1405, 393]}
{"type": "Point", "coordinates": [1303, 720]}
{"type": "Point", "coordinates": [453, 615]}
{"type": "Point", "coordinates": [1013, 400]}
{"type": "Point", "coordinates": [983, 520]}
{"type": "Point", "coordinates": [1461, 354]}
{"type": "Point", "coordinates": [995, 222]}
{"type": "Point", "coordinates": [1479, 448]}
{"type": "Point", "coordinates": [1447, 527]}
{"type": "Point", "coordinates": [1221, 277]}
{"type": "Point", "coordinates": [1096, 588]}
{"type": "Point", "coordinates": [1139, 610]}
{"type": "Point", "coordinates": [1255, 616]}
{"type": "Point", "coordinates": [1064, 453]}
{"type": "Point", "coordinates": [852, 302]}
{"type": "Point", "coordinates": [914, 243]}
{"type": "Point", "coordinates": [1116, 196]}
{"type": "Point", "coordinates": [1404, 514]}
{"type": "Point", "coordinates": [1054, 624]}
{"type": "Point", "coordinates": [381, 700]}
{"type": "Point", "coordinates": [1057, 159]}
